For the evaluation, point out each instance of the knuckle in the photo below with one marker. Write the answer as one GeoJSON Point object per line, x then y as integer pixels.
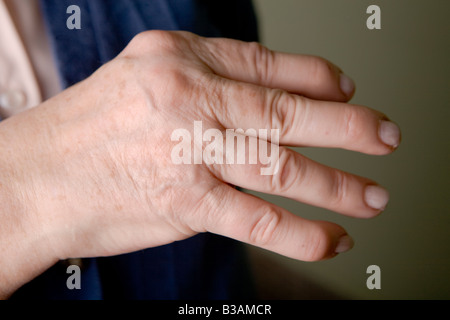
{"type": "Point", "coordinates": [282, 108]}
{"type": "Point", "coordinates": [351, 126]}
{"type": "Point", "coordinates": [290, 171]}
{"type": "Point", "coordinates": [175, 80]}
{"type": "Point", "coordinates": [263, 61]}
{"type": "Point", "coordinates": [264, 229]}
{"type": "Point", "coordinates": [339, 188]}
{"type": "Point", "coordinates": [154, 39]}
{"type": "Point", "coordinates": [179, 80]}
{"type": "Point", "coordinates": [205, 213]}
{"type": "Point", "coordinates": [215, 94]}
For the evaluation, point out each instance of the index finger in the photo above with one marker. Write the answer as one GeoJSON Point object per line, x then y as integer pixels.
{"type": "Point", "coordinates": [307, 75]}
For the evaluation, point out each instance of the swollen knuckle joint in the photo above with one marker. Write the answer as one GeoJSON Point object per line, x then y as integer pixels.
{"type": "Point", "coordinates": [264, 229]}
{"type": "Point", "coordinates": [263, 61]}
{"type": "Point", "coordinates": [153, 40]}
{"type": "Point", "coordinates": [339, 188]}
{"type": "Point", "coordinates": [282, 109]}
{"type": "Point", "coordinates": [287, 175]}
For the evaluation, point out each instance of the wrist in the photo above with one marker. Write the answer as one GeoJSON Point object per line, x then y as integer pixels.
{"type": "Point", "coordinates": [24, 251]}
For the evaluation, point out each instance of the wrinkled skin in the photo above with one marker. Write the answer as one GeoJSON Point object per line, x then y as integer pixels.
{"type": "Point", "coordinates": [89, 172]}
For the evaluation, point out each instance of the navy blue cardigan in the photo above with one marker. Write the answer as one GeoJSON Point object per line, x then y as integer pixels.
{"type": "Point", "coordinates": [206, 266]}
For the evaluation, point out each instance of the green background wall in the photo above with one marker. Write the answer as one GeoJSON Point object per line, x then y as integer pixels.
{"type": "Point", "coordinates": [402, 70]}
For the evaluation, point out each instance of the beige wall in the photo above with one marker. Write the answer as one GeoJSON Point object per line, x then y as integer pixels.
{"type": "Point", "coordinates": [404, 71]}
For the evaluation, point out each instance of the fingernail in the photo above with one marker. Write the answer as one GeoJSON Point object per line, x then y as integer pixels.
{"type": "Point", "coordinates": [389, 133]}
{"type": "Point", "coordinates": [345, 244]}
{"type": "Point", "coordinates": [376, 197]}
{"type": "Point", "coordinates": [347, 85]}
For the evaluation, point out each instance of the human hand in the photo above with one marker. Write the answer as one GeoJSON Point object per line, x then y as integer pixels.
{"type": "Point", "coordinates": [94, 171]}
